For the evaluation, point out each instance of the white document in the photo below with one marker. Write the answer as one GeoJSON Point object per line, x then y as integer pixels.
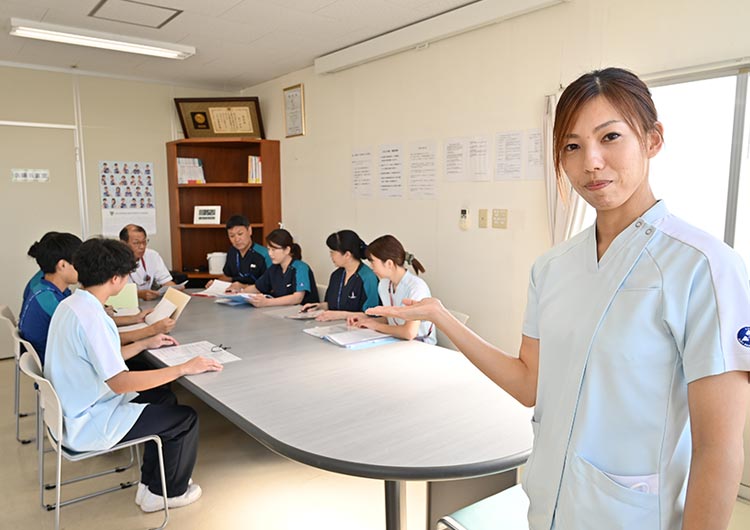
{"type": "Point", "coordinates": [218, 288]}
{"type": "Point", "coordinates": [508, 155]}
{"type": "Point", "coordinates": [163, 309]}
{"type": "Point", "coordinates": [479, 158]}
{"type": "Point", "coordinates": [179, 287]}
{"type": "Point", "coordinates": [174, 355]}
{"type": "Point", "coordinates": [534, 155]}
{"type": "Point", "coordinates": [362, 174]}
{"type": "Point", "coordinates": [343, 335]}
{"type": "Point", "coordinates": [132, 327]}
{"type": "Point", "coordinates": [454, 159]}
{"type": "Point", "coordinates": [390, 169]}
{"type": "Point", "coordinates": [422, 170]}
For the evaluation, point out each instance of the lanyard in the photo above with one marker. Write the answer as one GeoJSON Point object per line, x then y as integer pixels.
{"type": "Point", "coordinates": [341, 288]}
{"type": "Point", "coordinates": [146, 278]}
{"type": "Point", "coordinates": [239, 272]}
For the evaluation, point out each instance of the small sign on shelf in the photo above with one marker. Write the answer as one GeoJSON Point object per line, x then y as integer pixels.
{"type": "Point", "coordinates": [207, 215]}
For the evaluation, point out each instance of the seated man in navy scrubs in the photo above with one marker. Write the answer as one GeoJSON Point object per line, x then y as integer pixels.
{"type": "Point", "coordinates": [289, 281]}
{"type": "Point", "coordinates": [246, 261]}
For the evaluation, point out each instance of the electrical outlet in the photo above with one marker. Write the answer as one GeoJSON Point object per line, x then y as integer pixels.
{"type": "Point", "coordinates": [483, 218]}
{"type": "Point", "coordinates": [500, 218]}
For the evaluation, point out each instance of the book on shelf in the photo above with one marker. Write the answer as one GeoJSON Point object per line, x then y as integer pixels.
{"type": "Point", "coordinates": [190, 171]}
{"type": "Point", "coordinates": [254, 170]}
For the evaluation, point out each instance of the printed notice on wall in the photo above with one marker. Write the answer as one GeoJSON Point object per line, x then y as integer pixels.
{"type": "Point", "coordinates": [479, 158]}
{"type": "Point", "coordinates": [534, 155]}
{"type": "Point", "coordinates": [390, 170]}
{"type": "Point", "coordinates": [508, 156]}
{"type": "Point", "coordinates": [455, 159]}
{"type": "Point", "coordinates": [422, 170]}
{"type": "Point", "coordinates": [362, 173]}
{"type": "Point", "coordinates": [127, 195]}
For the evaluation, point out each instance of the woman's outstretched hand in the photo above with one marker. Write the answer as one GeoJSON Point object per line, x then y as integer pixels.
{"type": "Point", "coordinates": [427, 309]}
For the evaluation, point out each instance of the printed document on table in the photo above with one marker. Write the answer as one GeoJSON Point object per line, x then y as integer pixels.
{"type": "Point", "coordinates": [174, 355]}
{"type": "Point", "coordinates": [179, 287]}
{"type": "Point", "coordinates": [218, 288]}
{"type": "Point", "coordinates": [347, 337]}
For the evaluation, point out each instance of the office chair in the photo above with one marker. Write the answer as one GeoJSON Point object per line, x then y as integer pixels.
{"type": "Point", "coordinates": [52, 418]}
{"type": "Point", "coordinates": [442, 338]}
{"type": "Point", "coordinates": [506, 510]}
{"type": "Point", "coordinates": [9, 335]}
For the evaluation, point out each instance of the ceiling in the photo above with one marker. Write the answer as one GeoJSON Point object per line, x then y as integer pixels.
{"type": "Point", "coordinates": [239, 43]}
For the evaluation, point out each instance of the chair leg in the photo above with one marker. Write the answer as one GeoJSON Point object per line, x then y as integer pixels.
{"type": "Point", "coordinates": [163, 478]}
{"type": "Point", "coordinates": [58, 475]}
{"type": "Point", "coordinates": [40, 449]}
{"type": "Point", "coordinates": [17, 406]}
{"type": "Point", "coordinates": [118, 469]}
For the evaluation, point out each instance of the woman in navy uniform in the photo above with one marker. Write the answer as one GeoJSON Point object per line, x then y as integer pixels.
{"type": "Point", "coordinates": [353, 287]}
{"type": "Point", "coordinates": [289, 281]}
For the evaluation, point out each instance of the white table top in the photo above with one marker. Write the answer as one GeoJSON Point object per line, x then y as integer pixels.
{"type": "Point", "coordinates": [400, 411]}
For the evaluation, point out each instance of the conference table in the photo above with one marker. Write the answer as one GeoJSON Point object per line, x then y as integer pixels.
{"type": "Point", "coordinates": [402, 411]}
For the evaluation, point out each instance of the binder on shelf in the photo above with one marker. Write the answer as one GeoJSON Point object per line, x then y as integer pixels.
{"type": "Point", "coordinates": [254, 170]}
{"type": "Point", "coordinates": [190, 171]}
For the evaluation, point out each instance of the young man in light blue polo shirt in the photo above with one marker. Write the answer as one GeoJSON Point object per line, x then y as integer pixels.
{"type": "Point", "coordinates": [99, 395]}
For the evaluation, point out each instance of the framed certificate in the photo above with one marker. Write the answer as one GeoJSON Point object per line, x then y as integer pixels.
{"type": "Point", "coordinates": [220, 117]}
{"type": "Point", "coordinates": [294, 111]}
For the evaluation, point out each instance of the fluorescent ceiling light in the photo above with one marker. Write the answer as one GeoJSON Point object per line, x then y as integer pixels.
{"type": "Point", "coordinates": [97, 39]}
{"type": "Point", "coordinates": [420, 34]}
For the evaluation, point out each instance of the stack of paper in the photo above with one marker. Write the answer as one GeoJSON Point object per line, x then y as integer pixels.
{"type": "Point", "coordinates": [171, 306]}
{"type": "Point", "coordinates": [353, 338]}
{"type": "Point", "coordinates": [174, 355]}
{"type": "Point", "coordinates": [218, 288]}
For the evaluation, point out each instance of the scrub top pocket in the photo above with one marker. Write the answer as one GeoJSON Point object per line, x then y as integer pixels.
{"type": "Point", "coordinates": [590, 500]}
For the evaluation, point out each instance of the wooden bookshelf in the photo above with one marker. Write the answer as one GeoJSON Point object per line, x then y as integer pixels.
{"type": "Point", "coordinates": [225, 167]}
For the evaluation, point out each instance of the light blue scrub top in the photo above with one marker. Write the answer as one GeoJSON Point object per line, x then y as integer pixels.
{"type": "Point", "coordinates": [83, 352]}
{"type": "Point", "coordinates": [413, 287]}
{"type": "Point", "coordinates": [620, 339]}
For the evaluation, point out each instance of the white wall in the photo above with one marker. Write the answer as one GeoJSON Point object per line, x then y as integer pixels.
{"type": "Point", "coordinates": [120, 120]}
{"type": "Point", "coordinates": [489, 80]}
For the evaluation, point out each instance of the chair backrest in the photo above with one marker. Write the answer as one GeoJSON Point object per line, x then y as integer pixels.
{"type": "Point", "coordinates": [321, 291]}
{"type": "Point", "coordinates": [9, 338]}
{"type": "Point", "coordinates": [49, 402]}
{"type": "Point", "coordinates": [7, 313]}
{"type": "Point", "coordinates": [442, 338]}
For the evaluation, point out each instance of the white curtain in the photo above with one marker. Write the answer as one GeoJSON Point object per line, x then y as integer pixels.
{"type": "Point", "coordinates": [565, 208]}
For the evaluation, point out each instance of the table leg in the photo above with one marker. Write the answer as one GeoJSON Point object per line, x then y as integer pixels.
{"type": "Point", "coordinates": [395, 505]}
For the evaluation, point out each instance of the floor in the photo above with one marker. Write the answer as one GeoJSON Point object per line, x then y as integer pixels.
{"type": "Point", "coordinates": [245, 485]}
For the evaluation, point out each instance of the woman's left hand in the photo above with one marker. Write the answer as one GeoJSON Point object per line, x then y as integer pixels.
{"type": "Point", "coordinates": [258, 300]}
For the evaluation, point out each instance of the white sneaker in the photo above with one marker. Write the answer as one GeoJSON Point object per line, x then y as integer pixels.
{"type": "Point", "coordinates": [154, 503]}
{"type": "Point", "coordinates": [140, 492]}
{"type": "Point", "coordinates": [142, 489]}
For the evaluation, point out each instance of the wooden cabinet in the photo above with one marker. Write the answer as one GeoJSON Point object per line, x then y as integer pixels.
{"type": "Point", "coordinates": [225, 168]}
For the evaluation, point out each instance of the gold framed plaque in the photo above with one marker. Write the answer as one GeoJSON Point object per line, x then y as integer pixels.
{"type": "Point", "coordinates": [294, 111]}
{"type": "Point", "coordinates": [217, 117]}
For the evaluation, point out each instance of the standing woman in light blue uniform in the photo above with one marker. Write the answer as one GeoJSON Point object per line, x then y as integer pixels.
{"type": "Point", "coordinates": [352, 287]}
{"type": "Point", "coordinates": [636, 341]}
{"type": "Point", "coordinates": [397, 284]}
